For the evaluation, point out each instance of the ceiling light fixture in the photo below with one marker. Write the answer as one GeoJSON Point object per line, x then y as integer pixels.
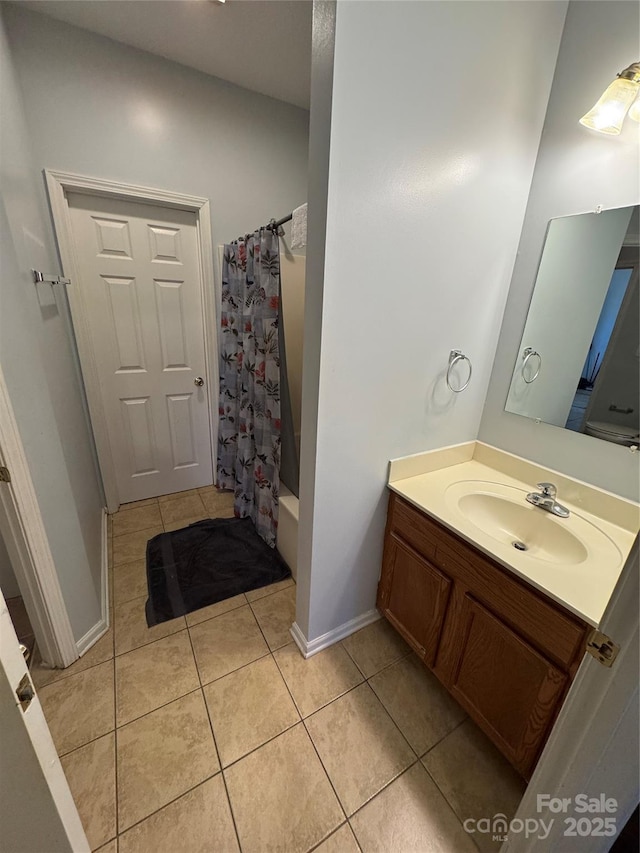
{"type": "Point", "coordinates": [608, 114]}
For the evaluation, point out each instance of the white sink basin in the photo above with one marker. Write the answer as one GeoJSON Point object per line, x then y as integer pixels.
{"type": "Point", "coordinates": [502, 513]}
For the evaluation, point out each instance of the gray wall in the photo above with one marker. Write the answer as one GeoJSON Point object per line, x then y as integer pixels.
{"type": "Point", "coordinates": [426, 199]}
{"type": "Point", "coordinates": [576, 170]}
{"type": "Point", "coordinates": [40, 371]}
{"type": "Point", "coordinates": [105, 110]}
{"type": "Point", "coordinates": [114, 112]}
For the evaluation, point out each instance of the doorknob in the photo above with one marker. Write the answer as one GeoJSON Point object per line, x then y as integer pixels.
{"type": "Point", "coordinates": [199, 381]}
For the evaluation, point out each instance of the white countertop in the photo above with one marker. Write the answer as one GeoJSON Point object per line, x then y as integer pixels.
{"type": "Point", "coordinates": [583, 586]}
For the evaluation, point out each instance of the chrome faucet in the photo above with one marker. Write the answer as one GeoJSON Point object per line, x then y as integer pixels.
{"type": "Point", "coordinates": [546, 499]}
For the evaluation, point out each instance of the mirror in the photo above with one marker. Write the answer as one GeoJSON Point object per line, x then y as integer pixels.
{"type": "Point", "coordinates": [579, 357]}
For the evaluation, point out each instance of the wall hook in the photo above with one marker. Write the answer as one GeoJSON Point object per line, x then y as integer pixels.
{"type": "Point", "coordinates": [49, 279]}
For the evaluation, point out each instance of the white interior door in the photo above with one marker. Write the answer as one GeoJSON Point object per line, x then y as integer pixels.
{"type": "Point", "coordinates": [37, 811]}
{"type": "Point", "coordinates": [139, 271]}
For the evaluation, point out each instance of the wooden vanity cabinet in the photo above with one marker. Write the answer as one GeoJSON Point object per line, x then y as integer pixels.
{"type": "Point", "coordinates": [416, 597]}
{"type": "Point", "coordinates": [506, 652]}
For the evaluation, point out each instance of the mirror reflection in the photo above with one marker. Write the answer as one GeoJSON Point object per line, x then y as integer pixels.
{"type": "Point", "coordinates": [578, 362]}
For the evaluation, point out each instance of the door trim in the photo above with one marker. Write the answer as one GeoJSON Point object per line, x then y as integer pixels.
{"type": "Point", "coordinates": [59, 184]}
{"type": "Point", "coordinates": [28, 546]}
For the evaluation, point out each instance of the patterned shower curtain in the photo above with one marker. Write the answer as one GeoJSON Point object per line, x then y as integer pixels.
{"type": "Point", "coordinates": [249, 434]}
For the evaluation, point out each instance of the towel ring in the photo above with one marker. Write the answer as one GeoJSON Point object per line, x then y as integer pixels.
{"type": "Point", "coordinates": [454, 356]}
{"type": "Point", "coordinates": [527, 354]}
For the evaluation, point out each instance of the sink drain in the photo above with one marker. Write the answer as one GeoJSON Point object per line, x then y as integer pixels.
{"type": "Point", "coordinates": [519, 546]}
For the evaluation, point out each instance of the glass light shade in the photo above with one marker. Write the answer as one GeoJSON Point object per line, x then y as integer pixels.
{"type": "Point", "coordinates": [634, 112]}
{"type": "Point", "coordinates": [609, 112]}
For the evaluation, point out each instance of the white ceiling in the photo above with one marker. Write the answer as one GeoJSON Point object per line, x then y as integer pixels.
{"type": "Point", "coordinates": [264, 45]}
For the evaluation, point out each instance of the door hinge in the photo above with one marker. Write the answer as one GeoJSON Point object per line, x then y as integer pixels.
{"type": "Point", "coordinates": [5, 476]}
{"type": "Point", "coordinates": [602, 648]}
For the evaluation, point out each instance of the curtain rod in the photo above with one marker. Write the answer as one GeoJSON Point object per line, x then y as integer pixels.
{"type": "Point", "coordinates": [273, 225]}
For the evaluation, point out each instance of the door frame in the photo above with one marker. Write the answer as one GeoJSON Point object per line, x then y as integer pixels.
{"type": "Point", "coordinates": [28, 546]}
{"type": "Point", "coordinates": [628, 259]}
{"type": "Point", "coordinates": [59, 184]}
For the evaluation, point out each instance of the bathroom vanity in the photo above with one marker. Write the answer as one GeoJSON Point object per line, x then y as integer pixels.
{"type": "Point", "coordinates": [503, 629]}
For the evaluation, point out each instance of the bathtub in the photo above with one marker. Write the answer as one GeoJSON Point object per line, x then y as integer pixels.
{"type": "Point", "coordinates": [287, 536]}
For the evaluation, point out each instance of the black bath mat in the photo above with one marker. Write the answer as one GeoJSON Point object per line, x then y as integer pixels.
{"type": "Point", "coordinates": [205, 563]}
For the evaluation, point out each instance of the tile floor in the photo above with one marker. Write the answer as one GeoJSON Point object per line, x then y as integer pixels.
{"type": "Point", "coordinates": [212, 733]}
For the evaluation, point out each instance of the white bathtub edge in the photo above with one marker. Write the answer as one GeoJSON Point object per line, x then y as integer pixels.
{"type": "Point", "coordinates": [310, 648]}
{"type": "Point", "coordinates": [287, 534]}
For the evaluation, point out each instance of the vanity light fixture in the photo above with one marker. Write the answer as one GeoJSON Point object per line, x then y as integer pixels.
{"type": "Point", "coordinates": [634, 110]}
{"type": "Point", "coordinates": [608, 114]}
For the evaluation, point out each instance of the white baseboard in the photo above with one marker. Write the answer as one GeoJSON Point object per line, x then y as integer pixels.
{"type": "Point", "coordinates": [105, 568]}
{"type": "Point", "coordinates": [93, 634]}
{"type": "Point", "coordinates": [309, 648]}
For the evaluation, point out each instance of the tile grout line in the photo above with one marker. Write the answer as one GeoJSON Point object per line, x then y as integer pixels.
{"type": "Point", "coordinates": [305, 728]}
{"type": "Point", "coordinates": [216, 615]}
{"type": "Point", "coordinates": [388, 713]}
{"type": "Point", "coordinates": [353, 832]}
{"type": "Point", "coordinates": [212, 776]}
{"type": "Point", "coordinates": [158, 708]}
{"type": "Point", "coordinates": [151, 642]}
{"type": "Point", "coordinates": [112, 658]}
{"type": "Point", "coordinates": [351, 657]}
{"type": "Point", "coordinates": [416, 757]}
{"type": "Point", "coordinates": [446, 799]}
{"type": "Point", "coordinates": [215, 743]}
{"type": "Point", "coordinates": [302, 720]}
{"type": "Point", "coordinates": [435, 781]}
{"type": "Point", "coordinates": [166, 805]}
{"type": "Point", "coordinates": [64, 674]}
{"type": "Point", "coordinates": [270, 653]}
{"type": "Point", "coordinates": [337, 829]}
{"type": "Point", "coordinates": [335, 793]}
{"type": "Point", "coordinates": [206, 684]}
{"type": "Point", "coordinates": [444, 737]}
{"type": "Point", "coordinates": [377, 794]}
{"type": "Point", "coordinates": [256, 748]}
{"type": "Point", "coordinates": [382, 669]}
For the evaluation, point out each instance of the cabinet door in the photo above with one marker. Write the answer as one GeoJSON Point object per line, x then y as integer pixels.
{"type": "Point", "coordinates": [413, 596]}
{"type": "Point", "coordinates": [506, 685]}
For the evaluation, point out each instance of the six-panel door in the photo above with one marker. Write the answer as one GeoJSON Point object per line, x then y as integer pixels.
{"type": "Point", "coordinates": [140, 278]}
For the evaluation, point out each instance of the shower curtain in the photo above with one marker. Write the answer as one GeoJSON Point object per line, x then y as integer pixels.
{"type": "Point", "coordinates": [249, 434]}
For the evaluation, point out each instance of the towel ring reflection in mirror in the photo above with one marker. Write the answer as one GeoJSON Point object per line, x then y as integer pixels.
{"type": "Point", "coordinates": [455, 356]}
{"type": "Point", "coordinates": [526, 355]}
